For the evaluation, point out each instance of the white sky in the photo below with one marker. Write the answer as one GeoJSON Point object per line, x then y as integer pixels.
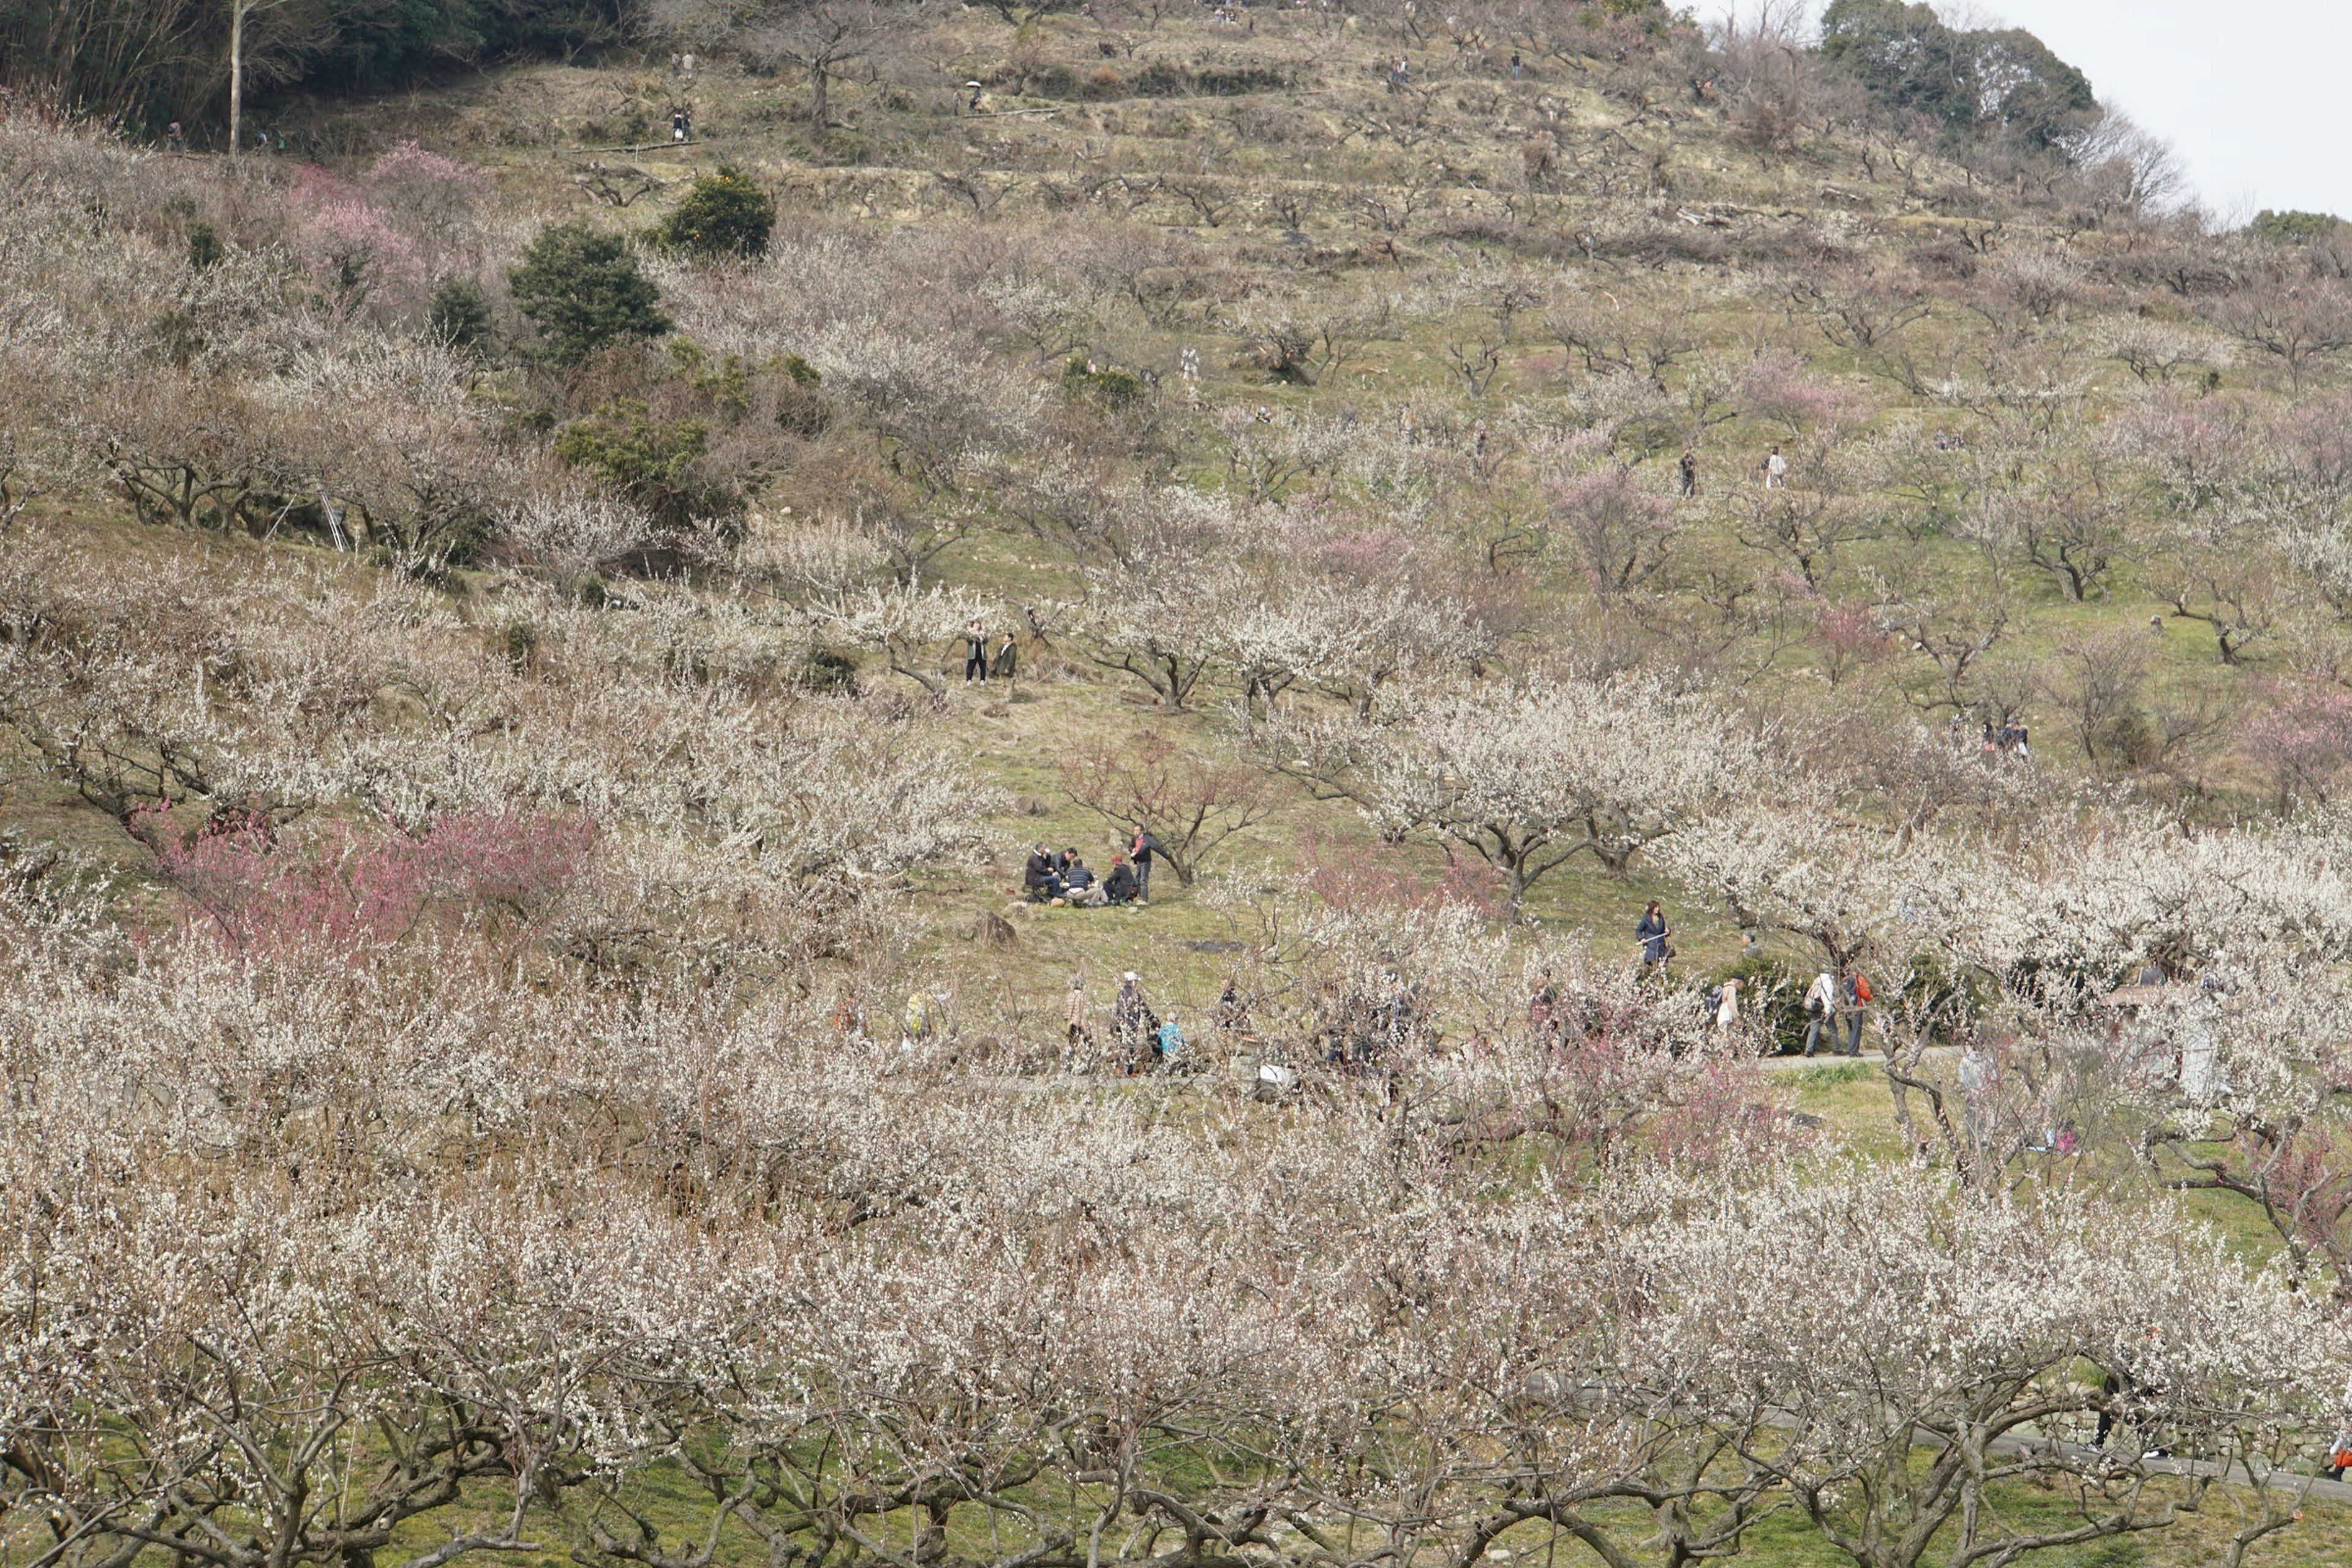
{"type": "Point", "coordinates": [2251, 93]}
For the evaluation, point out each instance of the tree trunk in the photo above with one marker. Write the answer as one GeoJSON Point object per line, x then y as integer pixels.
{"type": "Point", "coordinates": [236, 10]}
{"type": "Point", "coordinates": [820, 79]}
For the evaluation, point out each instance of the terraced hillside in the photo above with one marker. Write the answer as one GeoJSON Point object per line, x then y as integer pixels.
{"type": "Point", "coordinates": [530, 1025]}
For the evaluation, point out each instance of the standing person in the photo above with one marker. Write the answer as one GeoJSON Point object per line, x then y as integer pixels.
{"type": "Point", "coordinates": [1776, 471]}
{"type": "Point", "coordinates": [1127, 1014]}
{"type": "Point", "coordinates": [975, 655]}
{"type": "Point", "coordinates": [1001, 666]}
{"type": "Point", "coordinates": [1820, 1010]}
{"type": "Point", "coordinates": [678, 125]}
{"type": "Point", "coordinates": [1651, 933]}
{"type": "Point", "coordinates": [1857, 1001]}
{"type": "Point", "coordinates": [1726, 1008]}
{"type": "Point", "coordinates": [1686, 472]}
{"type": "Point", "coordinates": [1543, 1007]}
{"type": "Point", "coordinates": [1515, 67]}
{"type": "Point", "coordinates": [2339, 1452]}
{"type": "Point", "coordinates": [1145, 849]}
{"type": "Point", "coordinates": [175, 139]}
{"type": "Point", "coordinates": [1979, 1072]}
{"type": "Point", "coordinates": [1233, 1012]}
{"type": "Point", "coordinates": [1074, 1014]}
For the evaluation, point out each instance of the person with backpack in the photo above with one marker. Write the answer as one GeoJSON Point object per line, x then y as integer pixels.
{"type": "Point", "coordinates": [1820, 1010]}
{"type": "Point", "coordinates": [1857, 999]}
{"type": "Point", "coordinates": [1145, 848]}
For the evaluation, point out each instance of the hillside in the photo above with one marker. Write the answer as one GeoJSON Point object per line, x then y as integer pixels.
{"type": "Point", "coordinates": [496, 824]}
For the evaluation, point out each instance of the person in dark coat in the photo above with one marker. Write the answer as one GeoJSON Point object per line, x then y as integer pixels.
{"type": "Point", "coordinates": [1119, 887]}
{"type": "Point", "coordinates": [1002, 665]}
{"type": "Point", "coordinates": [1652, 934]}
{"type": "Point", "coordinates": [975, 655]}
{"type": "Point", "coordinates": [1039, 877]}
{"type": "Point", "coordinates": [1145, 848]}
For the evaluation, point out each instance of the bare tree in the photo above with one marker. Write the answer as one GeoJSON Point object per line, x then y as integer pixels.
{"type": "Point", "coordinates": [821, 37]}
{"type": "Point", "coordinates": [1191, 804]}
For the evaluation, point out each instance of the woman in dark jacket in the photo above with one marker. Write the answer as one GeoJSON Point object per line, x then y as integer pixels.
{"type": "Point", "coordinates": [1652, 934]}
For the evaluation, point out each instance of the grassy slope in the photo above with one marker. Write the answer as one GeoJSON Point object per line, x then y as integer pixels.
{"type": "Point", "coordinates": [533, 126]}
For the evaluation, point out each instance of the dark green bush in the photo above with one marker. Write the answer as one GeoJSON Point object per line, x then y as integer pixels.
{"type": "Point", "coordinates": [1161, 80]}
{"type": "Point", "coordinates": [460, 314]}
{"type": "Point", "coordinates": [648, 460]}
{"type": "Point", "coordinates": [724, 214]}
{"type": "Point", "coordinates": [2297, 227]}
{"type": "Point", "coordinates": [829, 670]}
{"type": "Point", "coordinates": [1111, 388]}
{"type": "Point", "coordinates": [585, 290]}
{"type": "Point", "coordinates": [1240, 80]}
{"type": "Point", "coordinates": [203, 246]}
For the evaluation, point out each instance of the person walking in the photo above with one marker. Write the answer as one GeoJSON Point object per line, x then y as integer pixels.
{"type": "Point", "coordinates": [175, 139]}
{"type": "Point", "coordinates": [975, 655]}
{"type": "Point", "coordinates": [1820, 1010]}
{"type": "Point", "coordinates": [1651, 933]}
{"type": "Point", "coordinates": [679, 124]}
{"type": "Point", "coordinates": [1726, 1007]}
{"type": "Point", "coordinates": [1144, 851]}
{"type": "Point", "coordinates": [1776, 471]}
{"type": "Point", "coordinates": [1686, 475]}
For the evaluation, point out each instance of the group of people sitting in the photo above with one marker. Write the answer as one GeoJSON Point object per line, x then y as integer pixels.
{"type": "Point", "coordinates": [1066, 879]}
